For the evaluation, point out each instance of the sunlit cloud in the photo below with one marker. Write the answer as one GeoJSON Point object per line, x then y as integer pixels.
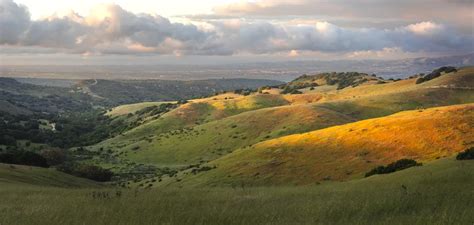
{"type": "Point", "coordinates": [111, 29]}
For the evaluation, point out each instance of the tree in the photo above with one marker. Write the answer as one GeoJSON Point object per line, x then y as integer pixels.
{"type": "Point", "coordinates": [23, 158]}
{"type": "Point", "coordinates": [94, 173]}
{"type": "Point", "coordinates": [8, 140]}
{"type": "Point", "coordinates": [468, 154]}
{"type": "Point", "coordinates": [86, 171]}
{"type": "Point", "coordinates": [54, 156]}
{"type": "Point", "coordinates": [393, 167]}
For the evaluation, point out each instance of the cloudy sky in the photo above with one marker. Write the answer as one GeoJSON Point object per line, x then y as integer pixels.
{"type": "Point", "coordinates": [233, 30]}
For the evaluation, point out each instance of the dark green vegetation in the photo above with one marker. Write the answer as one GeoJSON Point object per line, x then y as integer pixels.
{"type": "Point", "coordinates": [28, 99]}
{"type": "Point", "coordinates": [23, 158]}
{"type": "Point", "coordinates": [436, 73]}
{"type": "Point", "coordinates": [59, 130]}
{"type": "Point", "coordinates": [438, 193]}
{"type": "Point", "coordinates": [393, 167]}
{"type": "Point", "coordinates": [58, 158]}
{"type": "Point", "coordinates": [87, 171]}
{"type": "Point", "coordinates": [466, 155]}
{"type": "Point", "coordinates": [132, 91]}
{"type": "Point", "coordinates": [74, 116]}
{"type": "Point", "coordinates": [291, 90]}
{"type": "Point", "coordinates": [342, 80]}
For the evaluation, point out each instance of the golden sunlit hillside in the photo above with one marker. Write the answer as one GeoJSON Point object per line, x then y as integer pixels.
{"type": "Point", "coordinates": [236, 112]}
{"type": "Point", "coordinates": [348, 151]}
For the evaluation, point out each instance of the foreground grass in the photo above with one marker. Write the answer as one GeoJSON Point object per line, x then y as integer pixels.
{"type": "Point", "coordinates": [437, 193]}
{"type": "Point", "coordinates": [19, 176]}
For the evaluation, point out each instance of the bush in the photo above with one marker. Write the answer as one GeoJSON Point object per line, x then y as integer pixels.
{"type": "Point", "coordinates": [23, 158]}
{"type": "Point", "coordinates": [87, 171]}
{"type": "Point", "coordinates": [7, 140]}
{"type": "Point", "coordinates": [436, 73]}
{"type": "Point", "coordinates": [182, 101]}
{"type": "Point", "coordinates": [244, 92]}
{"type": "Point", "coordinates": [393, 167]}
{"type": "Point", "coordinates": [54, 156]}
{"type": "Point", "coordinates": [468, 154]}
{"type": "Point", "coordinates": [94, 173]}
{"type": "Point", "coordinates": [201, 169]}
{"type": "Point", "coordinates": [291, 90]}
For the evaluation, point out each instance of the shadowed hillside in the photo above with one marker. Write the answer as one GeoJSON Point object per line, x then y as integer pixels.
{"type": "Point", "coordinates": [16, 175]}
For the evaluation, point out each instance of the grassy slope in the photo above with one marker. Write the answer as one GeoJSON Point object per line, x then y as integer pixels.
{"type": "Point", "coordinates": [211, 140]}
{"type": "Point", "coordinates": [438, 193]}
{"type": "Point", "coordinates": [164, 142]}
{"type": "Point", "coordinates": [132, 108]}
{"type": "Point", "coordinates": [16, 175]}
{"type": "Point", "coordinates": [196, 112]}
{"type": "Point", "coordinates": [204, 110]}
{"type": "Point", "coordinates": [371, 101]}
{"type": "Point", "coordinates": [347, 151]}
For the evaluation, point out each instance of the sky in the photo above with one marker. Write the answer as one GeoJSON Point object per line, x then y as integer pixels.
{"type": "Point", "coordinates": [190, 31]}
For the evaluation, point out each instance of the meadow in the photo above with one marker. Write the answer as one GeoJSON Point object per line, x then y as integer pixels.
{"type": "Point", "coordinates": [436, 193]}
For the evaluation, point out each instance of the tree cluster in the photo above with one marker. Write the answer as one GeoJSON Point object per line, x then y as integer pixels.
{"type": "Point", "coordinates": [436, 73]}
{"type": "Point", "coordinates": [393, 167]}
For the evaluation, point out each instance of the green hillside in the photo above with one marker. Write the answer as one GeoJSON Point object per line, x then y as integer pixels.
{"type": "Point", "coordinates": [437, 193]}
{"type": "Point", "coordinates": [207, 129]}
{"type": "Point", "coordinates": [17, 175]}
{"type": "Point", "coordinates": [344, 152]}
{"type": "Point", "coordinates": [211, 140]}
{"type": "Point", "coordinates": [293, 154]}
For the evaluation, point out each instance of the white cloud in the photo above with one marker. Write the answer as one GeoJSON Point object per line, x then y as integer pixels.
{"type": "Point", "coordinates": [110, 29]}
{"type": "Point", "coordinates": [425, 28]}
{"type": "Point", "coordinates": [378, 13]}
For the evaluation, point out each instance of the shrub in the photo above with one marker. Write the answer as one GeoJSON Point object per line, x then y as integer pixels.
{"type": "Point", "coordinates": [244, 92]}
{"type": "Point", "coordinates": [290, 90]}
{"type": "Point", "coordinates": [393, 167]}
{"type": "Point", "coordinates": [7, 140]}
{"type": "Point", "coordinates": [94, 173]}
{"type": "Point", "coordinates": [23, 158]}
{"type": "Point", "coordinates": [436, 73]}
{"type": "Point", "coordinates": [182, 101]}
{"type": "Point", "coordinates": [468, 154]}
{"type": "Point", "coordinates": [87, 171]}
{"type": "Point", "coordinates": [54, 156]}
{"type": "Point", "coordinates": [202, 169]}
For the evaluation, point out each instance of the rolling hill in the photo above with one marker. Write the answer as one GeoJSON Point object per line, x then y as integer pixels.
{"type": "Point", "coordinates": [211, 128]}
{"type": "Point", "coordinates": [347, 151]}
{"type": "Point", "coordinates": [123, 110]}
{"type": "Point", "coordinates": [269, 158]}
